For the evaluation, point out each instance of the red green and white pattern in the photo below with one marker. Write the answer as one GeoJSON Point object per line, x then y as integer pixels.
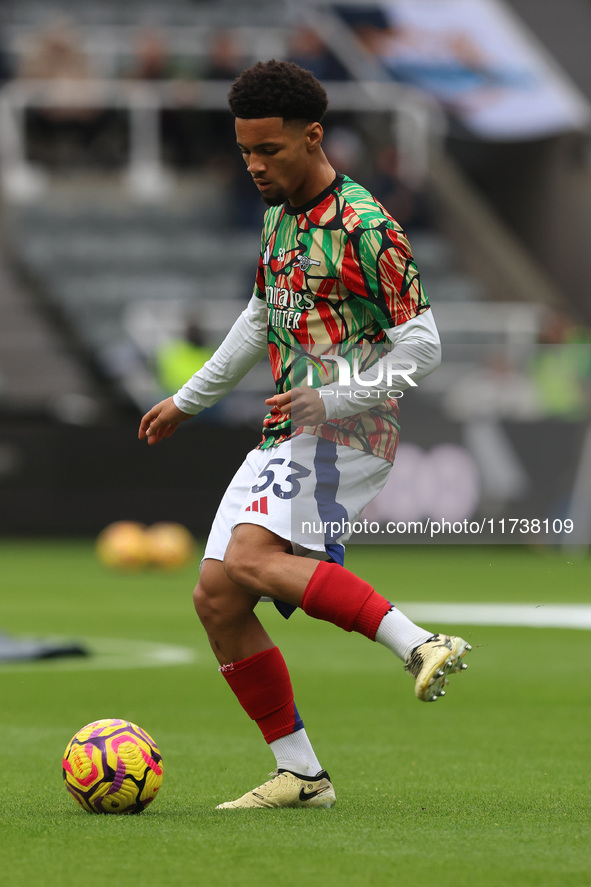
{"type": "Point", "coordinates": [335, 275]}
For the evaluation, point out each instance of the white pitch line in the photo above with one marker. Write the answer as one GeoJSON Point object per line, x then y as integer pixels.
{"type": "Point", "coordinates": [124, 653]}
{"type": "Point", "coordinates": [527, 615]}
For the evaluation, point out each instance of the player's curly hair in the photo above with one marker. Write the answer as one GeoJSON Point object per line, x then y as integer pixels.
{"type": "Point", "coordinates": [278, 89]}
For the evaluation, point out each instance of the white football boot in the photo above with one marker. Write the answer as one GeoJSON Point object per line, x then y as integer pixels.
{"type": "Point", "coordinates": [286, 789]}
{"type": "Point", "coordinates": [431, 663]}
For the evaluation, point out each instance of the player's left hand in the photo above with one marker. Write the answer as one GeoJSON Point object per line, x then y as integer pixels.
{"type": "Point", "coordinates": [304, 405]}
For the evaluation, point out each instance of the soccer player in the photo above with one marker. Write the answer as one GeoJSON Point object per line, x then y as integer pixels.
{"type": "Point", "coordinates": [336, 290]}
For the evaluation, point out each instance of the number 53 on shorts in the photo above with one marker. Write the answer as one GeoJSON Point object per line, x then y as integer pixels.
{"type": "Point", "coordinates": [289, 485]}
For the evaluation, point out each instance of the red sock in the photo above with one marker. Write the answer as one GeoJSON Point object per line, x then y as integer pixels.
{"type": "Point", "coordinates": [338, 596]}
{"type": "Point", "coordinates": [263, 688]}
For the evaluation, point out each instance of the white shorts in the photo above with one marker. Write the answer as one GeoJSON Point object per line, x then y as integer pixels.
{"type": "Point", "coordinates": [307, 490]}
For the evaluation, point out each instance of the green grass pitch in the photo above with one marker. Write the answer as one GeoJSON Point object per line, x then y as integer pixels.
{"type": "Point", "coordinates": [489, 787]}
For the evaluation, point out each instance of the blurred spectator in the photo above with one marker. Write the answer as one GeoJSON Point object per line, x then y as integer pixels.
{"type": "Point", "coordinates": [226, 57]}
{"type": "Point", "coordinates": [56, 55]}
{"type": "Point", "coordinates": [369, 24]}
{"type": "Point", "coordinates": [179, 124]}
{"type": "Point", "coordinates": [407, 204]}
{"type": "Point", "coordinates": [6, 71]}
{"type": "Point", "coordinates": [225, 62]}
{"type": "Point", "coordinates": [307, 49]}
{"type": "Point", "coordinates": [377, 170]}
{"type": "Point", "coordinates": [345, 150]}
{"type": "Point", "coordinates": [177, 359]}
{"type": "Point", "coordinates": [64, 132]}
{"type": "Point", "coordinates": [153, 60]}
{"type": "Point", "coordinates": [218, 137]}
{"type": "Point", "coordinates": [497, 389]}
{"type": "Point", "coordinates": [561, 368]}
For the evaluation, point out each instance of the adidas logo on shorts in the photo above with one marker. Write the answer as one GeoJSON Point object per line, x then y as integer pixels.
{"type": "Point", "coordinates": [258, 505]}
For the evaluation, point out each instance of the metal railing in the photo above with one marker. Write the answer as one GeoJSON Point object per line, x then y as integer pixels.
{"type": "Point", "coordinates": [416, 124]}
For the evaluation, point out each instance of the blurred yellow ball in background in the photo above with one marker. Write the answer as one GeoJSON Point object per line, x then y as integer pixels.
{"type": "Point", "coordinates": [123, 546]}
{"type": "Point", "coordinates": [129, 545]}
{"type": "Point", "coordinates": [170, 545]}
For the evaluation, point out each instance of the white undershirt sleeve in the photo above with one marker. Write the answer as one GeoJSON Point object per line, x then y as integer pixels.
{"type": "Point", "coordinates": [241, 350]}
{"type": "Point", "coordinates": [416, 352]}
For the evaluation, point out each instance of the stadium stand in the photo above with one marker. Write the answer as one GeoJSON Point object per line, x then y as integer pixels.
{"type": "Point", "coordinates": [123, 269]}
{"type": "Point", "coordinates": [41, 369]}
{"type": "Point", "coordinates": [114, 245]}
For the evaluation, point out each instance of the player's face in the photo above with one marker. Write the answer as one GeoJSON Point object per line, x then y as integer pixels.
{"type": "Point", "coordinates": [281, 157]}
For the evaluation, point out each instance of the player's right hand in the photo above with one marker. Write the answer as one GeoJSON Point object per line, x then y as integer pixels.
{"type": "Point", "coordinates": [161, 421]}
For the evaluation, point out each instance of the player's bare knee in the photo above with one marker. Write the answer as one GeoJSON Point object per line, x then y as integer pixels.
{"type": "Point", "coordinates": [209, 596]}
{"type": "Point", "coordinates": [247, 561]}
{"type": "Point", "coordinates": [242, 565]}
{"type": "Point", "coordinates": [201, 600]}
{"type": "Point", "coordinates": [218, 603]}
{"type": "Point", "coordinates": [214, 611]}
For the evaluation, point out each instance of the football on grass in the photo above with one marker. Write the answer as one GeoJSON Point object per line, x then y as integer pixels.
{"type": "Point", "coordinates": [112, 766]}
